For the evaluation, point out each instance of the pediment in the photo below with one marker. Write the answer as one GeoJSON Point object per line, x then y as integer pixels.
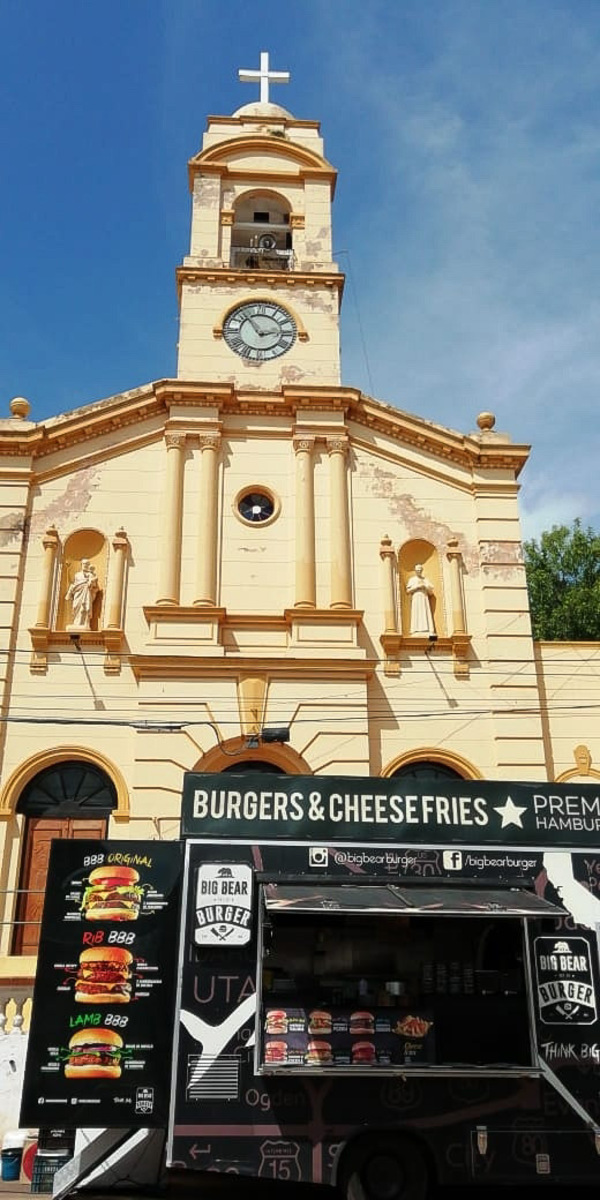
{"type": "Point", "coordinates": [120, 423]}
{"type": "Point", "coordinates": [260, 152]}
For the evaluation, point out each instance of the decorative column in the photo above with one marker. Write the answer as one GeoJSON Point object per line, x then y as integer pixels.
{"type": "Point", "coordinates": [459, 624]}
{"type": "Point", "coordinates": [170, 567]}
{"type": "Point", "coordinates": [306, 592]}
{"type": "Point", "coordinates": [50, 543]}
{"type": "Point", "coordinates": [206, 579]}
{"type": "Point", "coordinates": [341, 575]}
{"type": "Point", "coordinates": [226, 230]}
{"type": "Point", "coordinates": [117, 577]}
{"type": "Point", "coordinates": [388, 559]}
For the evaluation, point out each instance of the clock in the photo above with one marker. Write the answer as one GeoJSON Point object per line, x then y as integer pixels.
{"type": "Point", "coordinates": [259, 330]}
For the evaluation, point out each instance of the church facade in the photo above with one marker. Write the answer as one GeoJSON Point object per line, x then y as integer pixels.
{"type": "Point", "coordinates": [253, 563]}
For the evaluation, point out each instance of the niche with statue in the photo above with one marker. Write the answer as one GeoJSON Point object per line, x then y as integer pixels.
{"type": "Point", "coordinates": [421, 594]}
{"type": "Point", "coordinates": [82, 581]}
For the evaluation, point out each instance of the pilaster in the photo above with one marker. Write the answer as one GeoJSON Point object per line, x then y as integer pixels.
{"type": "Point", "coordinates": [341, 570]}
{"type": "Point", "coordinates": [170, 564]}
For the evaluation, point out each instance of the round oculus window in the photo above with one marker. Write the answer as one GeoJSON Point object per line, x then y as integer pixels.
{"type": "Point", "coordinates": [256, 507]}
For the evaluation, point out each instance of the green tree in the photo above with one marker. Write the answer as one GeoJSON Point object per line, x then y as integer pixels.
{"type": "Point", "coordinates": [563, 580]}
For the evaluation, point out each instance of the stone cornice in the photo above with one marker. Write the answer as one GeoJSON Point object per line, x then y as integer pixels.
{"type": "Point", "coordinates": [264, 119]}
{"type": "Point", "coordinates": [108, 427]}
{"type": "Point", "coordinates": [282, 280]}
{"type": "Point", "coordinates": [177, 666]}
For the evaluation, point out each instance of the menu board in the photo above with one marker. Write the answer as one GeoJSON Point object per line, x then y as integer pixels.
{"type": "Point", "coordinates": [99, 1052]}
{"type": "Point", "coordinates": [343, 1037]}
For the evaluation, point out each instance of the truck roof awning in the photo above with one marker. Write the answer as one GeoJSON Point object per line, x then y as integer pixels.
{"type": "Point", "coordinates": [342, 899]}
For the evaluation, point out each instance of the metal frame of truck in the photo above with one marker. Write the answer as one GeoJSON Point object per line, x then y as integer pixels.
{"type": "Point", "coordinates": [385, 1128]}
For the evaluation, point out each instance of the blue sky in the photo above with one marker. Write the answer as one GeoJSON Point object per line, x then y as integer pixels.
{"type": "Point", "coordinates": [467, 138]}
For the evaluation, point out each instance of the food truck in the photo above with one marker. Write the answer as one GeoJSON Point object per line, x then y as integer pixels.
{"type": "Point", "coordinates": [378, 984]}
{"type": "Point", "coordinates": [387, 982]}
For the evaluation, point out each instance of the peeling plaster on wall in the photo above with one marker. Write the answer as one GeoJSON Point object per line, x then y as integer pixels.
{"type": "Point", "coordinates": [417, 523]}
{"type": "Point", "coordinates": [252, 549]}
{"type": "Point", "coordinates": [315, 303]}
{"type": "Point", "coordinates": [503, 574]}
{"type": "Point", "coordinates": [291, 374]}
{"type": "Point", "coordinates": [314, 250]}
{"type": "Point", "coordinates": [12, 527]}
{"type": "Point", "coordinates": [71, 504]}
{"type": "Point", "coordinates": [199, 289]}
{"type": "Point", "coordinates": [504, 553]}
{"type": "Point", "coordinates": [209, 191]}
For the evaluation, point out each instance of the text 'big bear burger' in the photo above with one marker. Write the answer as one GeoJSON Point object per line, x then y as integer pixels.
{"type": "Point", "coordinates": [112, 894]}
{"type": "Point", "coordinates": [104, 976]}
{"type": "Point", "coordinates": [94, 1054]}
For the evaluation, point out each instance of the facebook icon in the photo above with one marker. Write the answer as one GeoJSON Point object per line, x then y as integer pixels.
{"type": "Point", "coordinates": [452, 860]}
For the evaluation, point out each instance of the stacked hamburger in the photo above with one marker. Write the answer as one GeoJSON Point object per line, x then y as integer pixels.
{"type": "Point", "coordinates": [104, 976]}
{"type": "Point", "coordinates": [318, 1051]}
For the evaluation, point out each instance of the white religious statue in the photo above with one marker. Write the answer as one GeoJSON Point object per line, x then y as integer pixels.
{"type": "Point", "coordinates": [420, 588]}
{"type": "Point", "coordinates": [81, 595]}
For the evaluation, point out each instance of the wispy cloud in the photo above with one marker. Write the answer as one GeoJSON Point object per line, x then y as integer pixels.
{"type": "Point", "coordinates": [477, 255]}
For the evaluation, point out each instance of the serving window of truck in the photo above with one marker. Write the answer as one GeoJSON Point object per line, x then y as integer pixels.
{"type": "Point", "coordinates": [356, 977]}
{"type": "Point", "coordinates": [360, 963]}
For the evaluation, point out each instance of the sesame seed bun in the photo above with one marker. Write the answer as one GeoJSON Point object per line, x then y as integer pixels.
{"type": "Point", "coordinates": [98, 1036]}
{"type": "Point", "coordinates": [113, 871]}
{"type": "Point", "coordinates": [113, 954]}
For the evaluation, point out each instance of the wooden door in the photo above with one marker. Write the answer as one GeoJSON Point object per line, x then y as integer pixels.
{"type": "Point", "coordinates": [39, 833]}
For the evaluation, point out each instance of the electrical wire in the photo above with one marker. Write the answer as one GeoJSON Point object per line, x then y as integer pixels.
{"type": "Point", "coordinates": [361, 332]}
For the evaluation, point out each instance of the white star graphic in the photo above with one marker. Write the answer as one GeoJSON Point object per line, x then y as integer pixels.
{"type": "Point", "coordinates": [510, 813]}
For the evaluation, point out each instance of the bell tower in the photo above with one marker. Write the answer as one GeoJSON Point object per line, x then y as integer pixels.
{"type": "Point", "coordinates": [259, 292]}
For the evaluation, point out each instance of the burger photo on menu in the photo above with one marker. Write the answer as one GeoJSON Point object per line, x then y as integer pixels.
{"type": "Point", "coordinates": [94, 1054]}
{"type": "Point", "coordinates": [318, 1052]}
{"type": "Point", "coordinates": [104, 976]}
{"type": "Point", "coordinates": [319, 1021]}
{"type": "Point", "coordinates": [362, 1022]}
{"type": "Point", "coordinates": [275, 1052]}
{"type": "Point", "coordinates": [113, 894]}
{"type": "Point", "coordinates": [363, 1052]}
{"type": "Point", "coordinates": [276, 1021]}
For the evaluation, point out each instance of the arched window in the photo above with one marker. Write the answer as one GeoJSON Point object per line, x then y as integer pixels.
{"type": "Point", "coordinates": [72, 799]}
{"type": "Point", "coordinates": [425, 770]}
{"type": "Point", "coordinates": [255, 766]}
{"type": "Point", "coordinates": [261, 237]}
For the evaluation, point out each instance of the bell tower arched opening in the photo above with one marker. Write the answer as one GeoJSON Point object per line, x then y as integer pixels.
{"type": "Point", "coordinates": [261, 237]}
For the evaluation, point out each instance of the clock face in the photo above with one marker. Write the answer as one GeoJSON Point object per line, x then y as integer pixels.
{"type": "Point", "coordinates": [259, 331]}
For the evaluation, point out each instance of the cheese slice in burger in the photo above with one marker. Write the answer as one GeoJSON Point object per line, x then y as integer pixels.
{"type": "Point", "coordinates": [113, 894]}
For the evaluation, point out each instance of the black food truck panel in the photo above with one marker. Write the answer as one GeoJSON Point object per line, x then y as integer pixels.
{"type": "Point", "coordinates": [102, 1017]}
{"type": "Point", "coordinates": [247, 1100]}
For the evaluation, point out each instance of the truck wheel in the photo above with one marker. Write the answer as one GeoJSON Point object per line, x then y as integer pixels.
{"type": "Point", "coordinates": [383, 1168]}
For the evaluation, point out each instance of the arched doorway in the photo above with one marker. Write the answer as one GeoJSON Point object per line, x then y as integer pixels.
{"type": "Point", "coordinates": [71, 799]}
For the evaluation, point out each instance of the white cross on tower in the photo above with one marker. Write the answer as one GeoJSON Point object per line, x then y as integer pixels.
{"type": "Point", "coordinates": [264, 76]}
